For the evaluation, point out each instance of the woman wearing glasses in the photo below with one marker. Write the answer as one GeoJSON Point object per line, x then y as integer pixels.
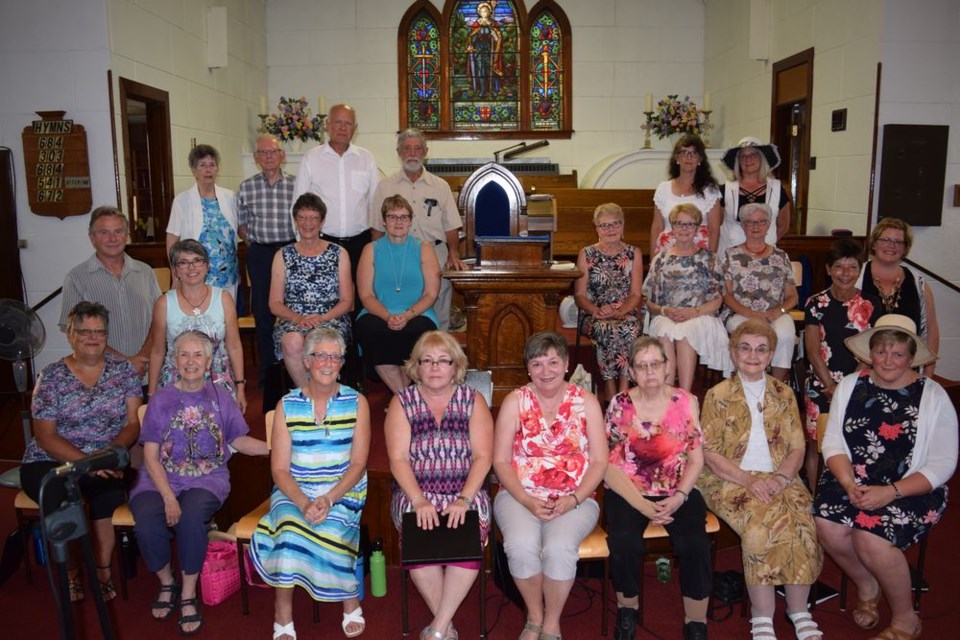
{"type": "Point", "coordinates": [653, 432]}
{"type": "Point", "coordinates": [900, 288]}
{"type": "Point", "coordinates": [398, 280]}
{"type": "Point", "coordinates": [759, 284]}
{"type": "Point", "coordinates": [691, 181]}
{"type": "Point", "coordinates": [310, 287]}
{"type": "Point", "coordinates": [752, 164]}
{"type": "Point", "coordinates": [684, 290]}
{"type": "Point", "coordinates": [753, 449]}
{"type": "Point", "coordinates": [196, 305]}
{"type": "Point", "coordinates": [440, 443]}
{"type": "Point", "coordinates": [311, 535]}
{"type": "Point", "coordinates": [608, 292]}
{"type": "Point", "coordinates": [83, 403]}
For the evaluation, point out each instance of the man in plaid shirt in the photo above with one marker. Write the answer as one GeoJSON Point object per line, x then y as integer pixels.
{"type": "Point", "coordinates": [263, 206]}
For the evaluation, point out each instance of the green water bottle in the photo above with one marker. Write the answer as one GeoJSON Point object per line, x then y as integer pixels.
{"type": "Point", "coordinates": [378, 570]}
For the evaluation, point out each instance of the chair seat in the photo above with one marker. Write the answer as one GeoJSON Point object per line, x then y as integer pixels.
{"type": "Point", "coordinates": [246, 322]}
{"type": "Point", "coordinates": [594, 546]}
{"type": "Point", "coordinates": [657, 531]}
{"type": "Point", "coordinates": [248, 524]}
{"type": "Point", "coordinates": [122, 516]}
{"type": "Point", "coordinates": [23, 501]}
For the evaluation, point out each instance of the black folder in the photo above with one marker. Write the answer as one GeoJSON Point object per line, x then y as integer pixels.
{"type": "Point", "coordinates": [440, 544]}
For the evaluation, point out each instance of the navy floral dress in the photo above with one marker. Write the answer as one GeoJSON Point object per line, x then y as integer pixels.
{"type": "Point", "coordinates": [880, 428]}
{"type": "Point", "coordinates": [608, 282]}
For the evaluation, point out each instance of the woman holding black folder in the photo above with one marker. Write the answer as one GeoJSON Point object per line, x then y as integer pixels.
{"type": "Point", "coordinates": [439, 437]}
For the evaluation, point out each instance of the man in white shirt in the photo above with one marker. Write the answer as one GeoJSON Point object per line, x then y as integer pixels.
{"type": "Point", "coordinates": [436, 219]}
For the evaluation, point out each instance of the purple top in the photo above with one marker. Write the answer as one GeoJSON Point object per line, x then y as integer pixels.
{"type": "Point", "coordinates": [193, 429]}
{"type": "Point", "coordinates": [88, 417]}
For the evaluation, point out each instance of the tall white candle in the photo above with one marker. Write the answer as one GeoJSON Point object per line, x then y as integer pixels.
{"type": "Point", "coordinates": [263, 104]}
{"type": "Point", "coordinates": [649, 102]}
{"type": "Point", "coordinates": [706, 101]}
{"type": "Point", "coordinates": [322, 101]}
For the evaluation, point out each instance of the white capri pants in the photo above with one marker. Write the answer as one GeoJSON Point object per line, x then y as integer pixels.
{"type": "Point", "coordinates": [534, 546]}
{"type": "Point", "coordinates": [786, 334]}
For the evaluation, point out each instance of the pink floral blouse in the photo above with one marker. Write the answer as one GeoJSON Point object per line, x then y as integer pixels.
{"type": "Point", "coordinates": [653, 455]}
{"type": "Point", "coordinates": [550, 460]}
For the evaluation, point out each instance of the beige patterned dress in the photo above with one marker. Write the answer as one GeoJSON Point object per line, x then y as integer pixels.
{"type": "Point", "coordinates": [778, 539]}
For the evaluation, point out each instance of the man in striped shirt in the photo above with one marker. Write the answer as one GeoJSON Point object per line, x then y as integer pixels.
{"type": "Point", "coordinates": [126, 287]}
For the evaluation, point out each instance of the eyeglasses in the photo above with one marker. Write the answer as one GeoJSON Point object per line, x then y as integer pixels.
{"type": "Point", "coordinates": [392, 217]}
{"type": "Point", "coordinates": [303, 218]}
{"type": "Point", "coordinates": [753, 155]}
{"type": "Point", "coordinates": [268, 152]}
{"type": "Point", "coordinates": [688, 153]}
{"type": "Point", "coordinates": [196, 262]}
{"type": "Point", "coordinates": [323, 358]}
{"type": "Point", "coordinates": [86, 333]}
{"type": "Point", "coordinates": [439, 362]}
{"type": "Point", "coordinates": [684, 225]}
{"type": "Point", "coordinates": [744, 349]}
{"type": "Point", "coordinates": [645, 367]}
{"type": "Point", "coordinates": [606, 226]}
{"type": "Point", "coordinates": [893, 242]}
{"type": "Point", "coordinates": [755, 223]}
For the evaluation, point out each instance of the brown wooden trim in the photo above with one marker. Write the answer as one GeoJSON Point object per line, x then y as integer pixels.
{"type": "Point", "coordinates": [113, 135]}
{"type": "Point", "coordinates": [873, 149]}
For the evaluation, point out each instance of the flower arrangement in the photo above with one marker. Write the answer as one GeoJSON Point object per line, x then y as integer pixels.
{"type": "Point", "coordinates": [674, 115]}
{"type": "Point", "coordinates": [294, 121]}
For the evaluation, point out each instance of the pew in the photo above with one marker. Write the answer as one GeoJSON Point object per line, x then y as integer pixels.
{"type": "Point", "coordinates": [575, 208]}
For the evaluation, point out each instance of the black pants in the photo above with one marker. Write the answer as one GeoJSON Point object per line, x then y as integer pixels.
{"type": "Point", "coordinates": [688, 536]}
{"type": "Point", "coordinates": [103, 495]}
{"type": "Point", "coordinates": [259, 266]}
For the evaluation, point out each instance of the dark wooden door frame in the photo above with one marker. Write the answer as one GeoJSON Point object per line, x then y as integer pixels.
{"type": "Point", "coordinates": [802, 58]}
{"type": "Point", "coordinates": [161, 152]}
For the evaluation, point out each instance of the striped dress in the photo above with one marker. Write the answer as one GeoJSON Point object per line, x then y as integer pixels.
{"type": "Point", "coordinates": [288, 551]}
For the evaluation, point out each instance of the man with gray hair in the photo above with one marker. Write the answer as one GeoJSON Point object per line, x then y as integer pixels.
{"type": "Point", "coordinates": [436, 219]}
{"type": "Point", "coordinates": [263, 209]}
{"type": "Point", "coordinates": [126, 287]}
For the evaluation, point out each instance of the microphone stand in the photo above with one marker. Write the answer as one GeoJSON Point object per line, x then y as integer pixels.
{"type": "Point", "coordinates": [67, 523]}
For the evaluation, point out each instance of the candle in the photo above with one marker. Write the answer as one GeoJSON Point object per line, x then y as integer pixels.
{"type": "Point", "coordinates": [706, 101]}
{"type": "Point", "coordinates": [649, 103]}
{"type": "Point", "coordinates": [263, 104]}
{"type": "Point", "coordinates": [322, 101]}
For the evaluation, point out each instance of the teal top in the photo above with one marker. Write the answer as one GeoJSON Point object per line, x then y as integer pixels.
{"type": "Point", "coordinates": [398, 276]}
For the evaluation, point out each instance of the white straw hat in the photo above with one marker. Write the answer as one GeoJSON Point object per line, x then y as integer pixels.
{"type": "Point", "coordinates": [859, 344]}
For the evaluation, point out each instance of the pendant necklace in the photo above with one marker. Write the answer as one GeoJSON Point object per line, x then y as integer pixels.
{"type": "Point", "coordinates": [398, 279]}
{"type": "Point", "coordinates": [758, 398]}
{"type": "Point", "coordinates": [196, 307]}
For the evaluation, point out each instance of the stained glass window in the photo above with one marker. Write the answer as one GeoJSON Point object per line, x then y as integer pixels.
{"type": "Point", "coordinates": [423, 69]}
{"type": "Point", "coordinates": [484, 69]}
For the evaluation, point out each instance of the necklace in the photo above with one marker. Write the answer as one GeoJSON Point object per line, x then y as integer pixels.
{"type": "Point", "coordinates": [758, 399]}
{"type": "Point", "coordinates": [755, 253]}
{"type": "Point", "coordinates": [891, 301]}
{"type": "Point", "coordinates": [398, 278]}
{"type": "Point", "coordinates": [196, 307]}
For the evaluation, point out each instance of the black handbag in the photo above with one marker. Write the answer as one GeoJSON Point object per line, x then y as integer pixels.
{"type": "Point", "coordinates": [728, 587]}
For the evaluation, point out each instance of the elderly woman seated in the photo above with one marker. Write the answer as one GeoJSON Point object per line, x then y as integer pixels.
{"type": "Point", "coordinates": [760, 284]}
{"type": "Point", "coordinates": [440, 442]}
{"type": "Point", "coordinates": [189, 431]}
{"type": "Point", "coordinates": [754, 449]}
{"type": "Point", "coordinates": [890, 447]}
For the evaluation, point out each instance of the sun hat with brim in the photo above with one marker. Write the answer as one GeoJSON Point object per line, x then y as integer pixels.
{"type": "Point", "coordinates": [859, 344]}
{"type": "Point", "coordinates": [769, 151]}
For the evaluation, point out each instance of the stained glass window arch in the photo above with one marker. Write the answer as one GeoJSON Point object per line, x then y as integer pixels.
{"type": "Point", "coordinates": [485, 69]}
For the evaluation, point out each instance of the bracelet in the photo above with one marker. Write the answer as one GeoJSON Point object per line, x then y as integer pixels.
{"type": "Point", "coordinates": [896, 491]}
{"type": "Point", "coordinates": [242, 381]}
{"type": "Point", "coordinates": [783, 476]}
{"type": "Point", "coordinates": [417, 497]}
{"type": "Point", "coordinates": [576, 499]}
{"type": "Point", "coordinates": [464, 499]}
{"type": "Point", "coordinates": [686, 496]}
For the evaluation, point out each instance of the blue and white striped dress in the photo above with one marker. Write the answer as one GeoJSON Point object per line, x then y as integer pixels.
{"type": "Point", "coordinates": [287, 550]}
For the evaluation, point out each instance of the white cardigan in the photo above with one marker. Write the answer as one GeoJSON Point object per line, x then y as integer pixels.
{"type": "Point", "coordinates": [935, 450]}
{"type": "Point", "coordinates": [186, 213]}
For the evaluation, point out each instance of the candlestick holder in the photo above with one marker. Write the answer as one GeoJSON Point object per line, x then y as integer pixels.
{"type": "Point", "coordinates": [263, 122]}
{"type": "Point", "coordinates": [646, 130]}
{"type": "Point", "coordinates": [322, 128]}
{"type": "Point", "coordinates": [707, 126]}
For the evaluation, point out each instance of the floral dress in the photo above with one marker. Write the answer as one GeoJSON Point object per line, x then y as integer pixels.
{"type": "Point", "coordinates": [835, 321]}
{"type": "Point", "coordinates": [608, 282]}
{"type": "Point", "coordinates": [665, 200]}
{"type": "Point", "coordinates": [551, 459]}
{"type": "Point", "coordinates": [311, 285]}
{"type": "Point", "coordinates": [880, 429]}
{"type": "Point", "coordinates": [758, 283]}
{"type": "Point", "coordinates": [440, 454]}
{"type": "Point", "coordinates": [220, 241]}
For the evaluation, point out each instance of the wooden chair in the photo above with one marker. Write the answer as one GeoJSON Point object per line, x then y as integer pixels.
{"type": "Point", "coordinates": [123, 524]}
{"type": "Point", "coordinates": [28, 517]}
{"type": "Point", "coordinates": [164, 278]}
{"type": "Point", "coordinates": [493, 204]}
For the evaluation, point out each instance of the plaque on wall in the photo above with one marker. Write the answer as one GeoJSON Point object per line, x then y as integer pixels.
{"type": "Point", "coordinates": [57, 166]}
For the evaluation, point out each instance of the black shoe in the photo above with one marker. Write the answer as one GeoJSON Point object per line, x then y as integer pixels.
{"type": "Point", "coordinates": [626, 624]}
{"type": "Point", "coordinates": [695, 631]}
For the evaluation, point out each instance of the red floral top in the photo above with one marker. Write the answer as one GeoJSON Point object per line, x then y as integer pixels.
{"type": "Point", "coordinates": [551, 460]}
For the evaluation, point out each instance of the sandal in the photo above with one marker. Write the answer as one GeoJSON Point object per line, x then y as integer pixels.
{"type": "Point", "coordinates": [532, 628]}
{"type": "Point", "coordinates": [452, 633]}
{"type": "Point", "coordinates": [892, 633]}
{"type": "Point", "coordinates": [762, 629]}
{"type": "Point", "coordinates": [167, 605]}
{"type": "Point", "coordinates": [429, 633]}
{"type": "Point", "coordinates": [804, 625]}
{"type": "Point", "coordinates": [107, 590]}
{"type": "Point", "coordinates": [866, 615]}
{"type": "Point", "coordinates": [354, 617]}
{"type": "Point", "coordinates": [549, 636]}
{"type": "Point", "coordinates": [190, 618]}
{"type": "Point", "coordinates": [75, 588]}
{"type": "Point", "coordinates": [280, 630]}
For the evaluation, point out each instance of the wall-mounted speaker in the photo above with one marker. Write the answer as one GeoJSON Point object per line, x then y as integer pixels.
{"type": "Point", "coordinates": [913, 173]}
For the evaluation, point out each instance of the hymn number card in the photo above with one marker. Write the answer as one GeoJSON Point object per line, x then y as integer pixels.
{"type": "Point", "coordinates": [57, 166]}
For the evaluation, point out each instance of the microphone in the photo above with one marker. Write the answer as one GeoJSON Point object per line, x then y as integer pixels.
{"type": "Point", "coordinates": [113, 457]}
{"type": "Point", "coordinates": [431, 203]}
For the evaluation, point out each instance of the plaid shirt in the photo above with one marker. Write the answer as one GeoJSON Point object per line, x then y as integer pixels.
{"type": "Point", "coordinates": [265, 208]}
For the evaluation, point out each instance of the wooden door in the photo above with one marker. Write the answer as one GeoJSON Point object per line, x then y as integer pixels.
{"type": "Point", "coordinates": [790, 129]}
